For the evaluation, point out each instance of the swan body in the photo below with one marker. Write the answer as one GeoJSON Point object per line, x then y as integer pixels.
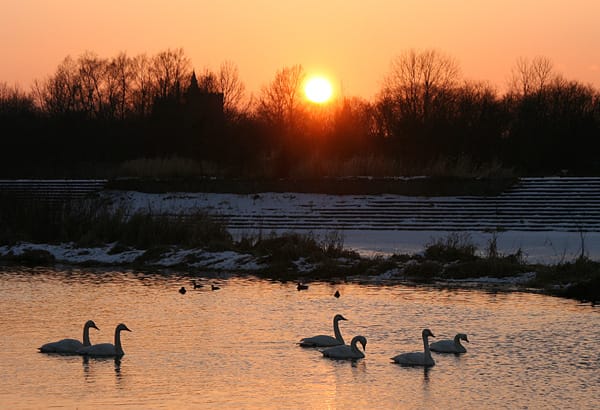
{"type": "Point", "coordinates": [70, 346]}
{"type": "Point", "coordinates": [326, 340]}
{"type": "Point", "coordinates": [106, 349]}
{"type": "Point", "coordinates": [417, 358]}
{"type": "Point", "coordinates": [346, 352]}
{"type": "Point", "coordinates": [450, 346]}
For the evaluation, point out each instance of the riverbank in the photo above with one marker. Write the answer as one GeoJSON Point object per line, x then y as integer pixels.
{"type": "Point", "coordinates": [190, 232]}
{"type": "Point", "coordinates": [449, 262]}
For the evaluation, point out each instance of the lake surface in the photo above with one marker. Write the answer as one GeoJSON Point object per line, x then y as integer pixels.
{"type": "Point", "coordinates": [236, 347]}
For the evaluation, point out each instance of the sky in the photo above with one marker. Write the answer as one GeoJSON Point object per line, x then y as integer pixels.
{"type": "Point", "coordinates": [350, 41]}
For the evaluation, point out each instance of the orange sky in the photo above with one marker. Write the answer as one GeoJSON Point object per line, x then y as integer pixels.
{"type": "Point", "coordinates": [352, 41]}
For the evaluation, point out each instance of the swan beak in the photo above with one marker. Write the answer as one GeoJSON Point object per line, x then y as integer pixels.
{"type": "Point", "coordinates": [467, 340]}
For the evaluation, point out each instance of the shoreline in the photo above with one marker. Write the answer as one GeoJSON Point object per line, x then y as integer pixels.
{"type": "Point", "coordinates": [395, 270]}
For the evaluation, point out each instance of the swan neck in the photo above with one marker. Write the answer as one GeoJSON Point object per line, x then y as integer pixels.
{"type": "Point", "coordinates": [457, 342]}
{"type": "Point", "coordinates": [337, 333]}
{"type": "Point", "coordinates": [353, 346]}
{"type": "Point", "coordinates": [118, 348]}
{"type": "Point", "coordinates": [86, 335]}
{"type": "Point", "coordinates": [426, 347]}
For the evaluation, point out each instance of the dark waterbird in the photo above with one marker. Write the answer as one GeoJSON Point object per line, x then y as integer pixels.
{"type": "Point", "coordinates": [213, 287]}
{"type": "Point", "coordinates": [345, 352]}
{"type": "Point", "coordinates": [197, 285]}
{"type": "Point", "coordinates": [70, 346]}
{"type": "Point", "coordinates": [326, 340]}
{"type": "Point", "coordinates": [106, 349]}
{"type": "Point", "coordinates": [337, 294]}
{"type": "Point", "coordinates": [417, 358]}
{"type": "Point", "coordinates": [450, 346]}
{"type": "Point", "coordinates": [302, 286]}
{"type": "Point", "coordinates": [182, 290]}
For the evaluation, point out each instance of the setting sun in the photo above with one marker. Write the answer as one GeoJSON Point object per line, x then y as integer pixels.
{"type": "Point", "coordinates": [318, 90]}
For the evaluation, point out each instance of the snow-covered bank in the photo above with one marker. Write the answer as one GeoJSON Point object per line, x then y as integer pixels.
{"type": "Point", "coordinates": [547, 247]}
{"type": "Point", "coordinates": [537, 247]}
{"type": "Point", "coordinates": [68, 253]}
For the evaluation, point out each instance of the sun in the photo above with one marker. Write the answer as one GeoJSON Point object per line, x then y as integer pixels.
{"type": "Point", "coordinates": [318, 90]}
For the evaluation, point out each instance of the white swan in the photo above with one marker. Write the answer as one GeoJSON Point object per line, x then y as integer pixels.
{"type": "Point", "coordinates": [417, 358]}
{"type": "Point", "coordinates": [70, 346]}
{"type": "Point", "coordinates": [106, 349]}
{"type": "Point", "coordinates": [450, 346]}
{"type": "Point", "coordinates": [325, 340]}
{"type": "Point", "coordinates": [346, 352]}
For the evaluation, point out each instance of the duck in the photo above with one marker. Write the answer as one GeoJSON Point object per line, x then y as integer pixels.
{"type": "Point", "coordinates": [182, 290]}
{"type": "Point", "coordinates": [213, 287]}
{"type": "Point", "coordinates": [449, 345]}
{"type": "Point", "coordinates": [346, 352]}
{"type": "Point", "coordinates": [106, 349]}
{"type": "Point", "coordinates": [197, 285]}
{"type": "Point", "coordinates": [70, 346]}
{"type": "Point", "coordinates": [337, 294]}
{"type": "Point", "coordinates": [326, 340]}
{"type": "Point", "coordinates": [301, 286]}
{"type": "Point", "coordinates": [417, 358]}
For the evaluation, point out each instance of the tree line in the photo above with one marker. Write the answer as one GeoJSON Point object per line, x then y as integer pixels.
{"type": "Point", "coordinates": [104, 111]}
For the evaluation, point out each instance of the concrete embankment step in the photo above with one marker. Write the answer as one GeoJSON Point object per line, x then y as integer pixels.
{"type": "Point", "coordinates": [51, 190]}
{"type": "Point", "coordinates": [534, 204]}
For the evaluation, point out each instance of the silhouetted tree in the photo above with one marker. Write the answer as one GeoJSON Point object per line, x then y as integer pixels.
{"type": "Point", "coordinates": [353, 130]}
{"type": "Point", "coordinates": [413, 104]}
{"type": "Point", "coordinates": [556, 128]}
{"type": "Point", "coordinates": [233, 89]}
{"type": "Point", "coordinates": [418, 81]}
{"type": "Point", "coordinates": [280, 109]}
{"type": "Point", "coordinates": [531, 76]}
{"type": "Point", "coordinates": [170, 72]}
{"type": "Point", "coordinates": [141, 87]}
{"type": "Point", "coordinates": [280, 104]}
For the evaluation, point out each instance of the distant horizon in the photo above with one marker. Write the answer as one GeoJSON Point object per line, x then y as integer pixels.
{"type": "Point", "coordinates": [350, 43]}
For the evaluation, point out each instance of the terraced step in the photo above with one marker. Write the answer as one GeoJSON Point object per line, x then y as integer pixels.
{"type": "Point", "coordinates": [51, 189]}
{"type": "Point", "coordinates": [534, 204]}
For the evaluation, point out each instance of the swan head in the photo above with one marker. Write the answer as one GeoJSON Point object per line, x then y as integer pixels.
{"type": "Point", "coordinates": [338, 317]}
{"type": "Point", "coordinates": [462, 336]}
{"type": "Point", "coordinates": [122, 327]}
{"type": "Point", "coordinates": [362, 340]}
{"type": "Point", "coordinates": [427, 333]}
{"type": "Point", "coordinates": [90, 323]}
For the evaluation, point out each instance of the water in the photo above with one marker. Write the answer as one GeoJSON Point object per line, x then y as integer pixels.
{"type": "Point", "coordinates": [235, 347]}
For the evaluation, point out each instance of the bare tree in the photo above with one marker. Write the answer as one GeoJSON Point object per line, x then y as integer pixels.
{"type": "Point", "coordinates": [141, 92]}
{"type": "Point", "coordinates": [171, 71]}
{"type": "Point", "coordinates": [91, 83]}
{"type": "Point", "coordinates": [13, 100]}
{"type": "Point", "coordinates": [233, 89]}
{"type": "Point", "coordinates": [119, 76]}
{"type": "Point", "coordinates": [208, 82]}
{"type": "Point", "coordinates": [59, 94]}
{"type": "Point", "coordinates": [279, 103]}
{"type": "Point", "coordinates": [528, 77]}
{"type": "Point", "coordinates": [417, 79]}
